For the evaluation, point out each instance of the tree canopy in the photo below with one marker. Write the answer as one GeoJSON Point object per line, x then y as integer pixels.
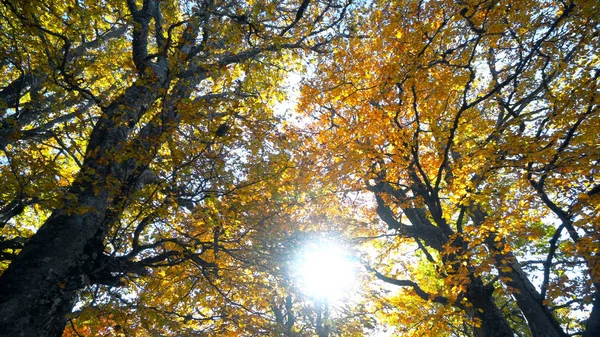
{"type": "Point", "coordinates": [157, 181]}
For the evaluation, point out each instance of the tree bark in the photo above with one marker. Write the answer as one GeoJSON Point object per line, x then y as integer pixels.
{"type": "Point", "coordinates": [38, 289]}
{"type": "Point", "coordinates": [540, 320]}
{"type": "Point", "coordinates": [592, 327]}
{"type": "Point", "coordinates": [493, 323]}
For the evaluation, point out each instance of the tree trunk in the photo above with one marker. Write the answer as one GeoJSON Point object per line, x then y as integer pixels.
{"type": "Point", "coordinates": [493, 323]}
{"type": "Point", "coordinates": [592, 327]}
{"type": "Point", "coordinates": [39, 287]}
{"type": "Point", "coordinates": [539, 318]}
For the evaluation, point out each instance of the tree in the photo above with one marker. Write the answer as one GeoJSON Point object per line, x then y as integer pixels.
{"type": "Point", "coordinates": [150, 187]}
{"type": "Point", "coordinates": [130, 133]}
{"type": "Point", "coordinates": [472, 125]}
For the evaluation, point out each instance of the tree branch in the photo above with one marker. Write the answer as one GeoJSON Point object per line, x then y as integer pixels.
{"type": "Point", "coordinates": [407, 283]}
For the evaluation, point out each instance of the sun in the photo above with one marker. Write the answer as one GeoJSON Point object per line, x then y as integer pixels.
{"type": "Point", "coordinates": [326, 271]}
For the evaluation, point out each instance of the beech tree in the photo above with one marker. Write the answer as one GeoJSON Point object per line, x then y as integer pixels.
{"type": "Point", "coordinates": [138, 144]}
{"type": "Point", "coordinates": [473, 125]}
{"type": "Point", "coordinates": [151, 186]}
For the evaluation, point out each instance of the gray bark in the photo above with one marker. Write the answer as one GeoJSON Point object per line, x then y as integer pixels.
{"type": "Point", "coordinates": [39, 287]}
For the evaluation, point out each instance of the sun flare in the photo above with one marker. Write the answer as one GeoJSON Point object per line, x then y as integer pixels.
{"type": "Point", "coordinates": [326, 271]}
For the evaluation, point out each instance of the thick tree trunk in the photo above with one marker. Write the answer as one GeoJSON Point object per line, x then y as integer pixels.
{"type": "Point", "coordinates": [39, 287]}
{"type": "Point", "coordinates": [493, 323]}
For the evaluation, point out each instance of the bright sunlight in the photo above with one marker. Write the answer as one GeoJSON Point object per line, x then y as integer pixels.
{"type": "Point", "coordinates": [325, 270]}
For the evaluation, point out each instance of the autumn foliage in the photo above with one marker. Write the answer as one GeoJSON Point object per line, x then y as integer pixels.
{"type": "Point", "coordinates": [473, 126]}
{"type": "Point", "coordinates": [153, 183]}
